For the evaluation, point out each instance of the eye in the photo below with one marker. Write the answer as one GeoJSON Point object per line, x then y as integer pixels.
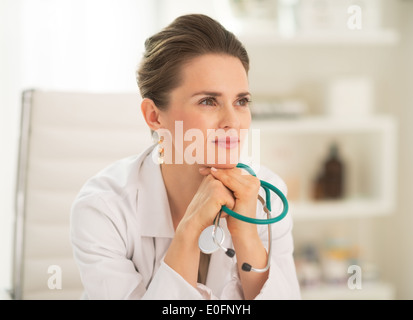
{"type": "Point", "coordinates": [210, 101]}
{"type": "Point", "coordinates": [243, 102]}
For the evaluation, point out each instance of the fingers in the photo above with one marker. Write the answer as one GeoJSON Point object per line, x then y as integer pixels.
{"type": "Point", "coordinates": [242, 185]}
{"type": "Point", "coordinates": [238, 180]}
{"type": "Point", "coordinates": [204, 171]}
{"type": "Point", "coordinates": [207, 170]}
{"type": "Point", "coordinates": [214, 189]}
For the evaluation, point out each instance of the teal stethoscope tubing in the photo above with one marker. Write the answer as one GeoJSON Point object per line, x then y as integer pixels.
{"type": "Point", "coordinates": [267, 187]}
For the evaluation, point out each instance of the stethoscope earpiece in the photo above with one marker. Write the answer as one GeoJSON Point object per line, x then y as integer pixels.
{"type": "Point", "coordinates": [230, 252]}
{"type": "Point", "coordinates": [246, 267]}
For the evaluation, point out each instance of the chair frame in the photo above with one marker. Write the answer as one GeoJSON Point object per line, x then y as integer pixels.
{"type": "Point", "coordinates": [20, 195]}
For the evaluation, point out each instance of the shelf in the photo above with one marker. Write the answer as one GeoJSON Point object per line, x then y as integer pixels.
{"type": "Point", "coordinates": [369, 291]}
{"type": "Point", "coordinates": [347, 37]}
{"type": "Point", "coordinates": [296, 148]}
{"type": "Point", "coordinates": [329, 210]}
{"type": "Point", "coordinates": [323, 124]}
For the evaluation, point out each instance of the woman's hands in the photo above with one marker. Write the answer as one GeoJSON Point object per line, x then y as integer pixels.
{"type": "Point", "coordinates": [244, 188]}
{"type": "Point", "coordinates": [206, 204]}
{"type": "Point", "coordinates": [247, 243]}
{"type": "Point", "coordinates": [200, 213]}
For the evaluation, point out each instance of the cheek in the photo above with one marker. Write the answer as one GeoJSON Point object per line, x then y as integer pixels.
{"type": "Point", "coordinates": [198, 123]}
{"type": "Point", "coordinates": [246, 120]}
{"type": "Point", "coordinates": [195, 131]}
{"type": "Point", "coordinates": [179, 122]}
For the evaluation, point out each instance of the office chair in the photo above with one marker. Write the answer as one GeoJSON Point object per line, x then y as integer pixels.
{"type": "Point", "coordinates": [66, 137]}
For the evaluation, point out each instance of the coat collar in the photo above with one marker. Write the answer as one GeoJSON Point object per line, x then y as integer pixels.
{"type": "Point", "coordinates": [153, 210]}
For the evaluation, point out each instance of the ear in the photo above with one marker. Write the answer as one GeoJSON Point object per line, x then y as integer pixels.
{"type": "Point", "coordinates": [151, 114]}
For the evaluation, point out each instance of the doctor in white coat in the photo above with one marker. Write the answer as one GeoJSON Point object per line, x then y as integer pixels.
{"type": "Point", "coordinates": [135, 225]}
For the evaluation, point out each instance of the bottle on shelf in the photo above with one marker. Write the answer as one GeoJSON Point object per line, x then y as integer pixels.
{"type": "Point", "coordinates": [318, 192]}
{"type": "Point", "coordinates": [333, 169]}
{"type": "Point", "coordinates": [329, 184]}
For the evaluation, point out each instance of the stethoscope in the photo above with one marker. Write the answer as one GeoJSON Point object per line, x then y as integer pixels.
{"type": "Point", "coordinates": [212, 237]}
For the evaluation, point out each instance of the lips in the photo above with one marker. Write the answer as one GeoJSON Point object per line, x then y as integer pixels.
{"type": "Point", "coordinates": [228, 142]}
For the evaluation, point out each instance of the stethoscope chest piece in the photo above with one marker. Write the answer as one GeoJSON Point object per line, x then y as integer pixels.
{"type": "Point", "coordinates": [206, 241]}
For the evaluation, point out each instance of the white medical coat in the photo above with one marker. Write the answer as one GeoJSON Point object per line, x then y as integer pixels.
{"type": "Point", "coordinates": [121, 228]}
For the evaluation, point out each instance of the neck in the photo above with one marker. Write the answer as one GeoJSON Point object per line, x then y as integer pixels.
{"type": "Point", "coordinates": [181, 182]}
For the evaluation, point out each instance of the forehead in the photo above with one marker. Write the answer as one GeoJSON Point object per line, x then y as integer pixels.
{"type": "Point", "coordinates": [217, 72]}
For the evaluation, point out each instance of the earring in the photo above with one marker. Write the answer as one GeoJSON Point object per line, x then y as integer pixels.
{"type": "Point", "coordinates": [161, 153]}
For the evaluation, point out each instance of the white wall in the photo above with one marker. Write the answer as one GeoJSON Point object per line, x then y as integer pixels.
{"type": "Point", "coordinates": [395, 234]}
{"type": "Point", "coordinates": [82, 45]}
{"type": "Point", "coordinates": [9, 120]}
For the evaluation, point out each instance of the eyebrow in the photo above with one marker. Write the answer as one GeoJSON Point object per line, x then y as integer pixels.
{"type": "Point", "coordinates": [218, 94]}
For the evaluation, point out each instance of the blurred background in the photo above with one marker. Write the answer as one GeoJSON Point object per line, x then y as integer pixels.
{"type": "Point", "coordinates": [332, 97]}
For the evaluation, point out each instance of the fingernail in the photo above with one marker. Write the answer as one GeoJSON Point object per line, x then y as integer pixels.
{"type": "Point", "coordinates": [213, 169]}
{"type": "Point", "coordinates": [202, 168]}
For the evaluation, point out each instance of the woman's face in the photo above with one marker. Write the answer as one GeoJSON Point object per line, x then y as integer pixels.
{"type": "Point", "coordinates": [208, 114]}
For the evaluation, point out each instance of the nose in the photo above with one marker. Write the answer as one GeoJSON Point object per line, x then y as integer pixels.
{"type": "Point", "coordinates": [229, 118]}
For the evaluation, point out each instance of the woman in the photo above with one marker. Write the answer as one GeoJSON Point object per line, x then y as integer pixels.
{"type": "Point", "coordinates": [136, 225]}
